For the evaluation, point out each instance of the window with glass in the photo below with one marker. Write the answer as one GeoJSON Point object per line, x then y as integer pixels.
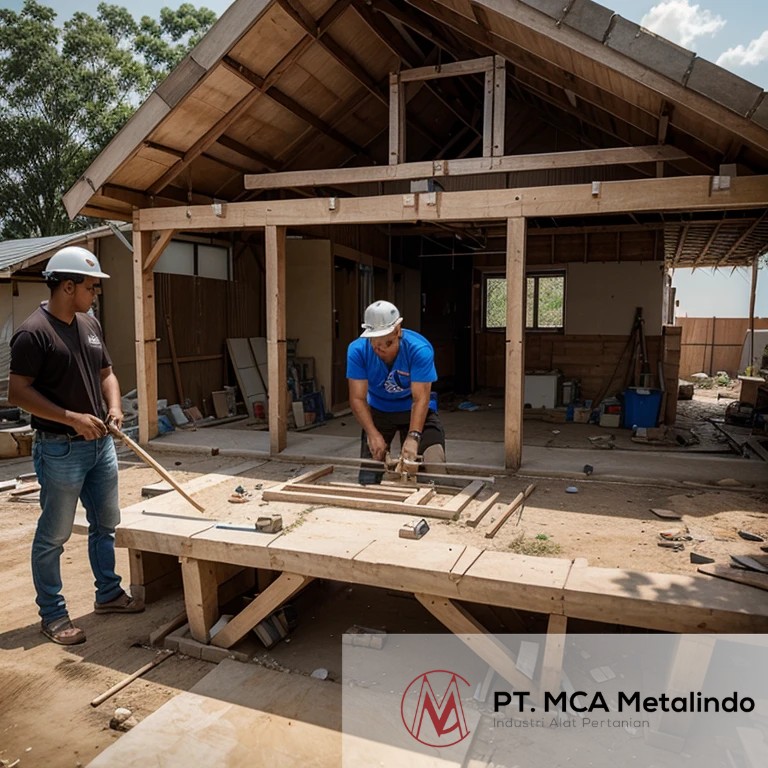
{"type": "Point", "coordinates": [544, 301]}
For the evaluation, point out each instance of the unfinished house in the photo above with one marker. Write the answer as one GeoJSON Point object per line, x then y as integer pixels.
{"type": "Point", "coordinates": [519, 177]}
{"type": "Point", "coordinates": [463, 159]}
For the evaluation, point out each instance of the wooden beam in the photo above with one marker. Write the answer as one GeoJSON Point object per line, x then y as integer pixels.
{"type": "Point", "coordinates": [473, 520]}
{"type": "Point", "coordinates": [469, 630]}
{"type": "Point", "coordinates": [157, 249]}
{"type": "Point", "coordinates": [515, 343]}
{"type": "Point", "coordinates": [146, 334]}
{"type": "Point", "coordinates": [551, 675]}
{"type": "Point", "coordinates": [276, 341]}
{"type": "Point", "coordinates": [499, 105]}
{"type": "Point", "coordinates": [201, 596]}
{"type": "Point", "coordinates": [396, 122]}
{"type": "Point", "coordinates": [464, 167]}
{"type": "Point", "coordinates": [755, 224]}
{"type": "Point", "coordinates": [452, 69]}
{"type": "Point", "coordinates": [691, 193]}
{"type": "Point", "coordinates": [280, 590]}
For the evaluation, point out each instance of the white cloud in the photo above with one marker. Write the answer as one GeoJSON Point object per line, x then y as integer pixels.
{"type": "Point", "coordinates": [680, 22]}
{"type": "Point", "coordinates": [754, 53]}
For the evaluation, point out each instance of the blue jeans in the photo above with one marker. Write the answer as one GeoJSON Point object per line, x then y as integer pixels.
{"type": "Point", "coordinates": [67, 470]}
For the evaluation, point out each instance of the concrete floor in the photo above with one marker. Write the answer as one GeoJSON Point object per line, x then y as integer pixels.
{"type": "Point", "coordinates": [476, 439]}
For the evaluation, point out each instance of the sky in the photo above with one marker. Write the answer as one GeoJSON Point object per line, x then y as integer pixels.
{"type": "Point", "coordinates": [731, 33]}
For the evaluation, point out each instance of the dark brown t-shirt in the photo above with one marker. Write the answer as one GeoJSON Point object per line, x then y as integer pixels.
{"type": "Point", "coordinates": [65, 362]}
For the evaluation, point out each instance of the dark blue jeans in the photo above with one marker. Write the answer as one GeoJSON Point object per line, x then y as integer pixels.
{"type": "Point", "coordinates": [69, 470]}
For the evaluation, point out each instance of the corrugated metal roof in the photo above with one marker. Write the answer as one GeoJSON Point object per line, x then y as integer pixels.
{"type": "Point", "coordinates": [17, 254]}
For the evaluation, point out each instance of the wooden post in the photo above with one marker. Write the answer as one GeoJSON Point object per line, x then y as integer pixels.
{"type": "Point", "coordinates": [276, 343]}
{"type": "Point", "coordinates": [753, 368]}
{"type": "Point", "coordinates": [396, 120]}
{"type": "Point", "coordinates": [515, 342]}
{"type": "Point", "coordinates": [488, 114]}
{"type": "Point", "coordinates": [499, 104]}
{"type": "Point", "coordinates": [146, 341]}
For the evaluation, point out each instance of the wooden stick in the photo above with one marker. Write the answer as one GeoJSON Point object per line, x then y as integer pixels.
{"type": "Point", "coordinates": [516, 502]}
{"type": "Point", "coordinates": [159, 659]}
{"type": "Point", "coordinates": [142, 454]}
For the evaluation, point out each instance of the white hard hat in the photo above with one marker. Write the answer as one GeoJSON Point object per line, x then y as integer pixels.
{"type": "Point", "coordinates": [73, 260]}
{"type": "Point", "coordinates": [381, 318]}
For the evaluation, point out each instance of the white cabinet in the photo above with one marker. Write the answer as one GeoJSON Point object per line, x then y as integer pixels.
{"type": "Point", "coordinates": [541, 390]}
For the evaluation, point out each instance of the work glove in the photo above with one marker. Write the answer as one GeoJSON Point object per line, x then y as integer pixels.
{"type": "Point", "coordinates": [409, 455]}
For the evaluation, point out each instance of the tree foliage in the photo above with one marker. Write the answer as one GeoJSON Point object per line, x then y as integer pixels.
{"type": "Point", "coordinates": [65, 92]}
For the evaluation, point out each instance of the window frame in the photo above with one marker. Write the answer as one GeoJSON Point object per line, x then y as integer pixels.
{"type": "Point", "coordinates": [536, 275]}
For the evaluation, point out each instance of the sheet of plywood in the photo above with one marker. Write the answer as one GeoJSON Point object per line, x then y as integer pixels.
{"type": "Point", "coordinates": [238, 716]}
{"type": "Point", "coordinates": [258, 345]}
{"type": "Point", "coordinates": [248, 377]}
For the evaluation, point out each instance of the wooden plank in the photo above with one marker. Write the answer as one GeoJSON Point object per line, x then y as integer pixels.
{"type": "Point", "coordinates": [670, 602]}
{"type": "Point", "coordinates": [340, 500]}
{"type": "Point", "coordinates": [157, 249]}
{"type": "Point", "coordinates": [467, 166]}
{"type": "Point", "coordinates": [487, 646]}
{"type": "Point", "coordinates": [280, 590]}
{"type": "Point", "coordinates": [362, 493]}
{"type": "Point", "coordinates": [481, 511]}
{"type": "Point", "coordinates": [276, 337]}
{"type": "Point", "coordinates": [421, 496]}
{"type": "Point", "coordinates": [738, 575]}
{"type": "Point", "coordinates": [312, 474]}
{"type": "Point", "coordinates": [463, 497]}
{"type": "Point", "coordinates": [452, 69]}
{"type": "Point", "coordinates": [200, 596]}
{"type": "Point", "coordinates": [515, 342]}
{"type": "Point", "coordinates": [514, 504]}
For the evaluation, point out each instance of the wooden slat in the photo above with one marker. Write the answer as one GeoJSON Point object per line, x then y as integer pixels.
{"type": "Point", "coordinates": [738, 575]}
{"type": "Point", "coordinates": [312, 474]}
{"type": "Point", "coordinates": [421, 496]}
{"type": "Point", "coordinates": [499, 105]}
{"type": "Point", "coordinates": [509, 511]}
{"type": "Point", "coordinates": [473, 520]}
{"type": "Point", "coordinates": [463, 497]}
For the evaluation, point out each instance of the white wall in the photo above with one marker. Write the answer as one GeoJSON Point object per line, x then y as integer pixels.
{"type": "Point", "coordinates": [309, 304]}
{"type": "Point", "coordinates": [601, 298]}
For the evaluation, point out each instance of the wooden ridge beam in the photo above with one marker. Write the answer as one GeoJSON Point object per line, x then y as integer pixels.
{"type": "Point", "coordinates": [466, 167]}
{"type": "Point", "coordinates": [692, 193]}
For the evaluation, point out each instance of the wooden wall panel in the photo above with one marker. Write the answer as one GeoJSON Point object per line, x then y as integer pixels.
{"type": "Point", "coordinates": [712, 344]}
{"type": "Point", "coordinates": [600, 363]}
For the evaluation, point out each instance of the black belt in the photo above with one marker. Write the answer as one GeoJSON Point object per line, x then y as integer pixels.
{"type": "Point", "coordinates": [58, 436]}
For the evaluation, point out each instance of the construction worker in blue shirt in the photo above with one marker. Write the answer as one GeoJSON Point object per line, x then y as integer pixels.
{"type": "Point", "coordinates": [390, 371]}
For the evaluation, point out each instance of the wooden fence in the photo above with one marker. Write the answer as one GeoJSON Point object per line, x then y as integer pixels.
{"type": "Point", "coordinates": [712, 344]}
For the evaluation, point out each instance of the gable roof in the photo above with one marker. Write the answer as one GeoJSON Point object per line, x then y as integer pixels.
{"type": "Point", "coordinates": [285, 85]}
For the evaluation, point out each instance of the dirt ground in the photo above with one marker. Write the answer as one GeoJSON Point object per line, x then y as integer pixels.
{"type": "Point", "coordinates": [45, 690]}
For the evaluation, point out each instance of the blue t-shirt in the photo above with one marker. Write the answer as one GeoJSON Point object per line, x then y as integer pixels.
{"type": "Point", "coordinates": [389, 389]}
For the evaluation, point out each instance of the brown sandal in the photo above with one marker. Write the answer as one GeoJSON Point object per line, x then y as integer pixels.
{"type": "Point", "coordinates": [123, 604]}
{"type": "Point", "coordinates": [63, 631]}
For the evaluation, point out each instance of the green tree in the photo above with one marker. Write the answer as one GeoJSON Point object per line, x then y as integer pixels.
{"type": "Point", "coordinates": [65, 92]}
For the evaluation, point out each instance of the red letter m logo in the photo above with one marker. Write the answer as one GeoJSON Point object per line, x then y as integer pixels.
{"type": "Point", "coordinates": [437, 721]}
